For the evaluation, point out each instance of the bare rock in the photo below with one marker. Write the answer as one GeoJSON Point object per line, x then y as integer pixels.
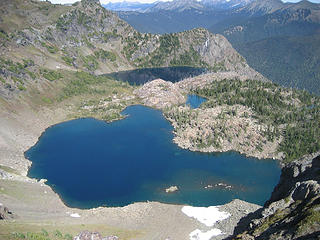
{"type": "Point", "coordinates": [172, 189]}
{"type": "Point", "coordinates": [110, 238]}
{"type": "Point", "coordinates": [5, 213]}
{"type": "Point", "coordinates": [86, 235]}
{"type": "Point", "coordinates": [293, 209]}
{"type": "Point", "coordinates": [160, 94]}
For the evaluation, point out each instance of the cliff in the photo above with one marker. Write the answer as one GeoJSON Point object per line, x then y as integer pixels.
{"type": "Point", "coordinates": [292, 212]}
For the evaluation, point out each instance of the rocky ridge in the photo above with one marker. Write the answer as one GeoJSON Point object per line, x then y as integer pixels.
{"type": "Point", "coordinates": [292, 212]}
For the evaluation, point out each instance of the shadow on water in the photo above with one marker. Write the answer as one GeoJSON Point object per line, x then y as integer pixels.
{"type": "Point", "coordinates": [143, 75]}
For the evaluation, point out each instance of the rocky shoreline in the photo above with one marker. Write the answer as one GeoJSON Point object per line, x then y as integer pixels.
{"type": "Point", "coordinates": [234, 127]}
{"type": "Point", "coordinates": [235, 139]}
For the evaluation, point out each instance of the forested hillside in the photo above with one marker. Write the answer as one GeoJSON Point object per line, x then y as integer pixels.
{"type": "Point", "coordinates": [280, 40]}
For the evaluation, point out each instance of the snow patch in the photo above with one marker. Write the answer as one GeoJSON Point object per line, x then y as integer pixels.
{"type": "Point", "coordinates": [206, 215]}
{"type": "Point", "coordinates": [75, 215]}
{"type": "Point", "coordinates": [198, 235]}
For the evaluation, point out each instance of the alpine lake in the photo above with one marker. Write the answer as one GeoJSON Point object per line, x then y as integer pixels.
{"type": "Point", "coordinates": [91, 163]}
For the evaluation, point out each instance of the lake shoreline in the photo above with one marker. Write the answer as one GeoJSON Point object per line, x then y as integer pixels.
{"type": "Point", "coordinates": [140, 216]}
{"type": "Point", "coordinates": [169, 160]}
{"type": "Point", "coordinates": [24, 128]}
{"type": "Point", "coordinates": [49, 208]}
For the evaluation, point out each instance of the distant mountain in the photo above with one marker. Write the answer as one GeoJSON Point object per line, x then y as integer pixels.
{"type": "Point", "coordinates": [254, 24]}
{"type": "Point", "coordinates": [225, 4]}
{"type": "Point", "coordinates": [127, 6]}
{"type": "Point", "coordinates": [279, 40]}
{"type": "Point", "coordinates": [259, 29]}
{"type": "Point", "coordinates": [177, 5]}
{"type": "Point", "coordinates": [177, 15]}
{"type": "Point", "coordinates": [259, 7]}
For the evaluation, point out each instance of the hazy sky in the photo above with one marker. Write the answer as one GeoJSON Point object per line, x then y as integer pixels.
{"type": "Point", "coordinates": [147, 1]}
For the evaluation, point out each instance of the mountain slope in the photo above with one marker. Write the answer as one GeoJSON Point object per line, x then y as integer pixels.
{"type": "Point", "coordinates": [282, 45]}
{"type": "Point", "coordinates": [260, 7]}
{"type": "Point", "coordinates": [270, 34]}
{"type": "Point", "coordinates": [292, 61]}
{"type": "Point", "coordinates": [90, 38]}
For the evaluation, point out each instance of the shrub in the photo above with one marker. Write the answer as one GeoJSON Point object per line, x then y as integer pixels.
{"type": "Point", "coordinates": [68, 60]}
{"type": "Point", "coordinates": [51, 75]}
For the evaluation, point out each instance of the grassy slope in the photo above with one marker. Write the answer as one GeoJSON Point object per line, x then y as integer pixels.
{"type": "Point", "coordinates": [47, 231]}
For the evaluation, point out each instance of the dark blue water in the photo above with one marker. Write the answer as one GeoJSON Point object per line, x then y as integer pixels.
{"type": "Point", "coordinates": [194, 101]}
{"type": "Point", "coordinates": [90, 163]}
{"type": "Point", "coordinates": [143, 75]}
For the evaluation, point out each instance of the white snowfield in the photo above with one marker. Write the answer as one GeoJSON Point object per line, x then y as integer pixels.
{"type": "Point", "coordinates": [207, 216]}
{"type": "Point", "coordinates": [75, 215]}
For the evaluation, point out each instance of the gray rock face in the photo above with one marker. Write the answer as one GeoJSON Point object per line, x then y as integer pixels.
{"type": "Point", "coordinates": [295, 177]}
{"type": "Point", "coordinates": [160, 94]}
{"type": "Point", "coordinates": [5, 213]}
{"type": "Point", "coordinates": [292, 212]}
{"type": "Point", "coordinates": [91, 1]}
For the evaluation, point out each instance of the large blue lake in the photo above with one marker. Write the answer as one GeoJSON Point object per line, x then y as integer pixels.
{"type": "Point", "coordinates": [91, 163]}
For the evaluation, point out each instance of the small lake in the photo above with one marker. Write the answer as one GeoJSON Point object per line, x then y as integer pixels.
{"type": "Point", "coordinates": [194, 101]}
{"type": "Point", "coordinates": [143, 75]}
{"type": "Point", "coordinates": [90, 163]}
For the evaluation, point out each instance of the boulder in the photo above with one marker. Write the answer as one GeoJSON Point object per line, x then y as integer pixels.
{"type": "Point", "coordinates": [5, 213]}
{"type": "Point", "coordinates": [86, 235]}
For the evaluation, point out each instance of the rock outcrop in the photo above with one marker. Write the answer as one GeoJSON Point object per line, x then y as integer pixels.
{"type": "Point", "coordinates": [86, 235]}
{"type": "Point", "coordinates": [160, 94]}
{"type": "Point", "coordinates": [293, 211]}
{"type": "Point", "coordinates": [5, 213]}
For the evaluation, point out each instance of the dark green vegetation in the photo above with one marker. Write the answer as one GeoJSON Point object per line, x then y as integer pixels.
{"type": "Point", "coordinates": [168, 53]}
{"type": "Point", "coordinates": [105, 55]}
{"type": "Point", "coordinates": [291, 114]}
{"type": "Point", "coordinates": [289, 61]}
{"type": "Point", "coordinates": [50, 75]}
{"type": "Point", "coordinates": [16, 73]}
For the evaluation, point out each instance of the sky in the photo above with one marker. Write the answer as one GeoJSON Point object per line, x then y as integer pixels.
{"type": "Point", "coordinates": [146, 1]}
